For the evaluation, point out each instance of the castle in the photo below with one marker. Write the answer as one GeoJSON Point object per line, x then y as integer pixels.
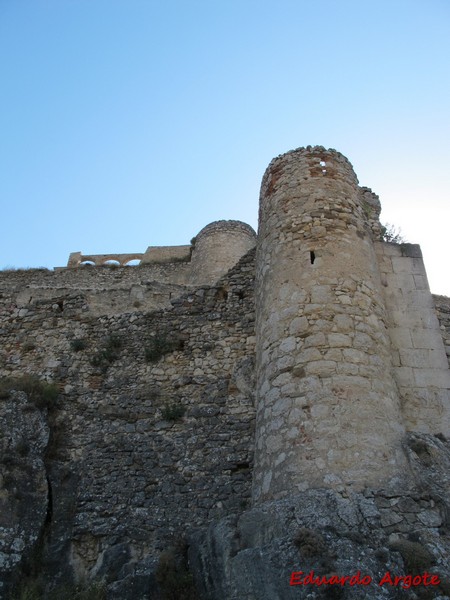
{"type": "Point", "coordinates": [242, 374]}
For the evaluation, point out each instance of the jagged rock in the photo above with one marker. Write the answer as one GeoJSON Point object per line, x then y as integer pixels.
{"type": "Point", "coordinates": [252, 556]}
{"type": "Point", "coordinates": [24, 492]}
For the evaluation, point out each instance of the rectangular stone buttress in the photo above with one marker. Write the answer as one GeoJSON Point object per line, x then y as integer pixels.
{"type": "Point", "coordinates": [420, 362]}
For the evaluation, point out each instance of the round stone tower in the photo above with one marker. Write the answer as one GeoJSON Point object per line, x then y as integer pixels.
{"type": "Point", "coordinates": [218, 247]}
{"type": "Point", "coordinates": [328, 411]}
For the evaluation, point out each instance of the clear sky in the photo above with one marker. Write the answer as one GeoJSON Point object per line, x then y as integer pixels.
{"type": "Point", "coordinates": [129, 123]}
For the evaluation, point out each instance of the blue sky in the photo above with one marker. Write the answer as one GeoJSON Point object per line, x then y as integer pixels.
{"type": "Point", "coordinates": [129, 123]}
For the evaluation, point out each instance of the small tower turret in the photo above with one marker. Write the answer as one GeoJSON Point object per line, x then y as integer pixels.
{"type": "Point", "coordinates": [218, 247]}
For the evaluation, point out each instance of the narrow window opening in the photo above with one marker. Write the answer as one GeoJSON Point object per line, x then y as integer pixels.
{"type": "Point", "coordinates": [312, 256]}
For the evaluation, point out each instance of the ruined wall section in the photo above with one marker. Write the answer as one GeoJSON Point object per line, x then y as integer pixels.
{"type": "Point", "coordinates": [153, 431]}
{"type": "Point", "coordinates": [106, 290]}
{"type": "Point", "coordinates": [371, 206]}
{"type": "Point", "coordinates": [153, 254]}
{"type": "Point", "coordinates": [164, 273]}
{"type": "Point", "coordinates": [328, 408]}
{"type": "Point", "coordinates": [420, 362]}
{"type": "Point", "coordinates": [442, 306]}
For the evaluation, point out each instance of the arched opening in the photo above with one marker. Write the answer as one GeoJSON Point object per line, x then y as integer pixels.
{"type": "Point", "coordinates": [133, 262]}
{"type": "Point", "coordinates": [111, 263]}
{"type": "Point", "coordinates": [87, 263]}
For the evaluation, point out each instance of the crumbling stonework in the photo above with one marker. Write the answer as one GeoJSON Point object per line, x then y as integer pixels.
{"type": "Point", "coordinates": [154, 443]}
{"type": "Point", "coordinates": [25, 496]}
{"type": "Point", "coordinates": [442, 306]}
{"type": "Point", "coordinates": [279, 409]}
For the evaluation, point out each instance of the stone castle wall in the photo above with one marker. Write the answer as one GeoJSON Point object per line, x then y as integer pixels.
{"type": "Point", "coordinates": [419, 359]}
{"type": "Point", "coordinates": [212, 376]}
{"type": "Point", "coordinates": [162, 275]}
{"type": "Point", "coordinates": [153, 431]}
{"type": "Point", "coordinates": [107, 290]}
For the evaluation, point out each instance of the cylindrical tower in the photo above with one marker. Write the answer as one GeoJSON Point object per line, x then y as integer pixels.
{"type": "Point", "coordinates": [328, 409]}
{"type": "Point", "coordinates": [218, 247]}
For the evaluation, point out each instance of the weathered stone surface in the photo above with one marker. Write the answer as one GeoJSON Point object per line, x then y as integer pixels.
{"type": "Point", "coordinates": [442, 305]}
{"type": "Point", "coordinates": [24, 490]}
{"type": "Point", "coordinates": [143, 449]}
{"type": "Point", "coordinates": [253, 555]}
{"type": "Point", "coordinates": [336, 271]}
{"type": "Point", "coordinates": [152, 437]}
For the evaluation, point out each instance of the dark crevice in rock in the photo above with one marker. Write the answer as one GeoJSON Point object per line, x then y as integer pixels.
{"type": "Point", "coordinates": [48, 517]}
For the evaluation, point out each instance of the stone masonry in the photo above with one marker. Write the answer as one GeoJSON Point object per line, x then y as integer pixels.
{"type": "Point", "coordinates": [323, 350]}
{"type": "Point", "coordinates": [236, 393]}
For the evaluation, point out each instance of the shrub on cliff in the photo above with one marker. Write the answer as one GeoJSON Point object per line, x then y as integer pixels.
{"type": "Point", "coordinates": [309, 542]}
{"type": "Point", "coordinates": [173, 412]}
{"type": "Point", "coordinates": [159, 345]}
{"type": "Point", "coordinates": [109, 353]}
{"type": "Point", "coordinates": [78, 345]}
{"type": "Point", "coordinates": [41, 393]}
{"type": "Point", "coordinates": [389, 233]}
{"type": "Point", "coordinates": [416, 556]}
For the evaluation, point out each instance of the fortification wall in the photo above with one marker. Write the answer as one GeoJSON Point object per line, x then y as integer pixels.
{"type": "Point", "coordinates": [162, 275]}
{"type": "Point", "coordinates": [420, 363]}
{"type": "Point", "coordinates": [153, 254]}
{"type": "Point", "coordinates": [152, 433]}
{"type": "Point", "coordinates": [106, 290]}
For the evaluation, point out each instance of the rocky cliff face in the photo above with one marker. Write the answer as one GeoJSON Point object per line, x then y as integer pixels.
{"type": "Point", "coordinates": [25, 496]}
{"type": "Point", "coordinates": [442, 304]}
{"type": "Point", "coordinates": [291, 548]}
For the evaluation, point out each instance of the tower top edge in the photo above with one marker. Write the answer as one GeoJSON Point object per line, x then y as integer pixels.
{"type": "Point", "coordinates": [315, 161]}
{"type": "Point", "coordinates": [223, 226]}
{"type": "Point", "coordinates": [314, 151]}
